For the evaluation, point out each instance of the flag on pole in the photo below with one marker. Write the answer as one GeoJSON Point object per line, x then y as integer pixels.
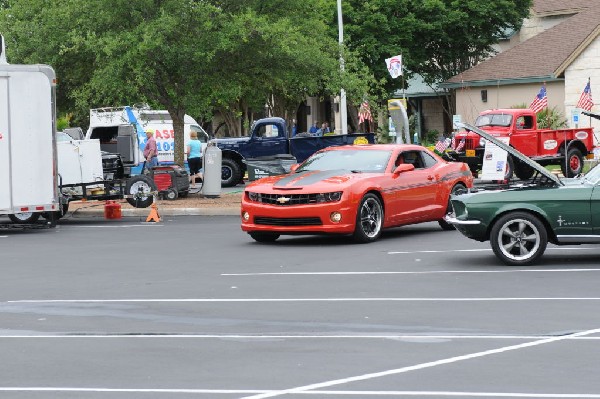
{"type": "Point", "coordinates": [364, 113]}
{"type": "Point", "coordinates": [394, 66]}
{"type": "Point", "coordinates": [441, 145]}
{"type": "Point", "coordinates": [585, 101]}
{"type": "Point", "coordinates": [540, 101]}
{"type": "Point", "coordinates": [460, 145]}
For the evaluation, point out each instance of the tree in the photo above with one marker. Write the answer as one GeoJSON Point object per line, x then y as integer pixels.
{"type": "Point", "coordinates": [437, 38]}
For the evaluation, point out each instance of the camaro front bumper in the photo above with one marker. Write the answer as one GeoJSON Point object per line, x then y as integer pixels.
{"type": "Point", "coordinates": [298, 219]}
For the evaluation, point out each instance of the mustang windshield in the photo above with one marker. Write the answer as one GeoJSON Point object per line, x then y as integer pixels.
{"type": "Point", "coordinates": [593, 176]}
{"type": "Point", "coordinates": [354, 160]}
{"type": "Point", "coordinates": [503, 120]}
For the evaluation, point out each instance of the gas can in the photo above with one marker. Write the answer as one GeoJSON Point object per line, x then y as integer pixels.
{"type": "Point", "coordinates": [112, 210]}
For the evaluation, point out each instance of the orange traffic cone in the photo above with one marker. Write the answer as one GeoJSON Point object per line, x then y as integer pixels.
{"type": "Point", "coordinates": [153, 215]}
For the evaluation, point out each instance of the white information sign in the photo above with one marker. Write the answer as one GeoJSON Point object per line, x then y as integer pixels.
{"type": "Point", "coordinates": [456, 119]}
{"type": "Point", "coordinates": [494, 161]}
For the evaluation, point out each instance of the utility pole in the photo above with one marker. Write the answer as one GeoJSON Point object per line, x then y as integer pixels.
{"type": "Point", "coordinates": [343, 110]}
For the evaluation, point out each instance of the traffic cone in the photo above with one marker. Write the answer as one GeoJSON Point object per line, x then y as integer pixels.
{"type": "Point", "coordinates": [153, 215]}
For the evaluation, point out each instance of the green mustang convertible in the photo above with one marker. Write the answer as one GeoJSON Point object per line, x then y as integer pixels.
{"type": "Point", "coordinates": [520, 221]}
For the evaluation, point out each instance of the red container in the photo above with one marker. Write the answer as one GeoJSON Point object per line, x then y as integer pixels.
{"type": "Point", "coordinates": [112, 210]}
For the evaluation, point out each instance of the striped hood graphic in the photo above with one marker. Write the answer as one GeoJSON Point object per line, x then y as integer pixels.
{"type": "Point", "coordinates": [300, 180]}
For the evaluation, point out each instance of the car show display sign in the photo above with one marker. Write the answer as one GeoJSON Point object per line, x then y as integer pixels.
{"type": "Point", "coordinates": [494, 160]}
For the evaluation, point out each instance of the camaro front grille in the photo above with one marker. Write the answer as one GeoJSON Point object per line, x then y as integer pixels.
{"type": "Point", "coordinates": [285, 200]}
{"type": "Point", "coordinates": [267, 221]}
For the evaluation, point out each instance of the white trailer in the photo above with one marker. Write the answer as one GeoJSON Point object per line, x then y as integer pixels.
{"type": "Point", "coordinates": [123, 130]}
{"type": "Point", "coordinates": [28, 174]}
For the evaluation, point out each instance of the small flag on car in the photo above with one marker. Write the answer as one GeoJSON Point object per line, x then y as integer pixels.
{"type": "Point", "coordinates": [460, 145]}
{"type": "Point", "coordinates": [585, 101]}
{"type": "Point", "coordinates": [540, 101]}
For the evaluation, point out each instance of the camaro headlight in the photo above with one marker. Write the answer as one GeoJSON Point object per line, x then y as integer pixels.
{"type": "Point", "coordinates": [329, 197]}
{"type": "Point", "coordinates": [254, 196]}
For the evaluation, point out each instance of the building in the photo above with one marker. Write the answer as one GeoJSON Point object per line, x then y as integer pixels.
{"type": "Point", "coordinates": [558, 45]}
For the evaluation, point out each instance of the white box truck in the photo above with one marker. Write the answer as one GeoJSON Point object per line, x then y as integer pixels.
{"type": "Point", "coordinates": [122, 130]}
{"type": "Point", "coordinates": [28, 174]}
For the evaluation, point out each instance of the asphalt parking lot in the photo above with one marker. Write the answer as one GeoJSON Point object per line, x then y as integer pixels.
{"type": "Point", "coordinates": [192, 308]}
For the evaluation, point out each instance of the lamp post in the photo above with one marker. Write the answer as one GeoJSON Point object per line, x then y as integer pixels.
{"type": "Point", "coordinates": [343, 111]}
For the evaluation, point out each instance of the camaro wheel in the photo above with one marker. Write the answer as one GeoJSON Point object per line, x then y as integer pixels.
{"type": "Point", "coordinates": [369, 219]}
{"type": "Point", "coordinates": [518, 238]}
{"type": "Point", "coordinates": [264, 237]}
{"type": "Point", "coordinates": [458, 189]}
{"type": "Point", "coordinates": [24, 217]}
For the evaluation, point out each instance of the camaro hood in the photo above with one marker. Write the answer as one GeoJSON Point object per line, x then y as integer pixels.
{"type": "Point", "coordinates": [336, 179]}
{"type": "Point", "coordinates": [516, 154]}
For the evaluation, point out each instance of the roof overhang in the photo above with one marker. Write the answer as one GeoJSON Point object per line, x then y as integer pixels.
{"type": "Point", "coordinates": [501, 82]}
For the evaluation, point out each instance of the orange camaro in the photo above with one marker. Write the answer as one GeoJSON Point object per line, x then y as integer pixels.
{"type": "Point", "coordinates": [356, 190]}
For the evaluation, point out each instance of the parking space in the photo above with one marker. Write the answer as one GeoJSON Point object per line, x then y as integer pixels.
{"type": "Point", "coordinates": [193, 308]}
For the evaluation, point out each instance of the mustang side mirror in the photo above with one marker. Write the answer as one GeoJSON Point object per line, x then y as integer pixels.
{"type": "Point", "coordinates": [403, 167]}
{"type": "Point", "coordinates": [294, 167]}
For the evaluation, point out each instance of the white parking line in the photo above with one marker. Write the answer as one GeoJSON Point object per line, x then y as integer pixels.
{"type": "Point", "coordinates": [418, 272]}
{"type": "Point", "coordinates": [315, 392]}
{"type": "Point", "coordinates": [299, 337]}
{"type": "Point", "coordinates": [421, 366]}
{"type": "Point", "coordinates": [124, 226]}
{"type": "Point", "coordinates": [224, 300]}
{"type": "Point", "coordinates": [481, 250]}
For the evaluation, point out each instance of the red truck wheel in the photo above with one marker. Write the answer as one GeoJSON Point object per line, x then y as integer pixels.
{"type": "Point", "coordinates": [574, 163]}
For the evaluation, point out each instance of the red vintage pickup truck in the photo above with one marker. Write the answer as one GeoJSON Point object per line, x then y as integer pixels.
{"type": "Point", "coordinates": [545, 146]}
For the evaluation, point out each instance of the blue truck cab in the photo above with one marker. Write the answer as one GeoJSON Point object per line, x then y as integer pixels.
{"type": "Point", "coordinates": [271, 137]}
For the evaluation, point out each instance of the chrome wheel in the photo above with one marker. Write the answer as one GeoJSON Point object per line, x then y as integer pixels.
{"type": "Point", "coordinates": [519, 238]}
{"type": "Point", "coordinates": [369, 219]}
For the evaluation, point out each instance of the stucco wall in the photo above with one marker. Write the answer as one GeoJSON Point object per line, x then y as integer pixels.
{"type": "Point", "coordinates": [469, 103]}
{"type": "Point", "coordinates": [587, 65]}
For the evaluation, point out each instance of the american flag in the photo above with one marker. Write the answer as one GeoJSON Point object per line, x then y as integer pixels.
{"type": "Point", "coordinates": [585, 101]}
{"type": "Point", "coordinates": [441, 145]}
{"type": "Point", "coordinates": [460, 145]}
{"type": "Point", "coordinates": [541, 100]}
{"type": "Point", "coordinates": [364, 113]}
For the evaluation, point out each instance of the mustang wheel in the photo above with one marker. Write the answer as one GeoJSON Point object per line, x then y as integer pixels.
{"type": "Point", "coordinates": [369, 219]}
{"type": "Point", "coordinates": [458, 189]}
{"type": "Point", "coordinates": [24, 217]}
{"type": "Point", "coordinates": [519, 238]}
{"type": "Point", "coordinates": [264, 237]}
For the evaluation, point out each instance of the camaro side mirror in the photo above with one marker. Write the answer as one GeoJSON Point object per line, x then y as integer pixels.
{"type": "Point", "coordinates": [403, 167]}
{"type": "Point", "coordinates": [294, 167]}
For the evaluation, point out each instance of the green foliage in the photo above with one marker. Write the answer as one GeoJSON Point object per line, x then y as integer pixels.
{"type": "Point", "coordinates": [551, 118]}
{"type": "Point", "coordinates": [63, 122]}
{"type": "Point", "coordinates": [430, 138]}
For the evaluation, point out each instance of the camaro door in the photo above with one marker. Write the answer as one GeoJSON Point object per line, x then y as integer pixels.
{"type": "Point", "coordinates": [414, 192]}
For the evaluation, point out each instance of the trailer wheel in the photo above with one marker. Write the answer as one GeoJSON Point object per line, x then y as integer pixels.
{"type": "Point", "coordinates": [141, 188]}
{"type": "Point", "coordinates": [171, 194]}
{"type": "Point", "coordinates": [230, 173]}
{"type": "Point", "coordinates": [574, 163]}
{"type": "Point", "coordinates": [24, 217]}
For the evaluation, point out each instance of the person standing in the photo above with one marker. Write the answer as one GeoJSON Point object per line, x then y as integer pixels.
{"type": "Point", "coordinates": [150, 152]}
{"type": "Point", "coordinates": [194, 157]}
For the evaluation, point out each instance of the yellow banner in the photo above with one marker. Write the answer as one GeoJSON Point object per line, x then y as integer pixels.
{"type": "Point", "coordinates": [394, 103]}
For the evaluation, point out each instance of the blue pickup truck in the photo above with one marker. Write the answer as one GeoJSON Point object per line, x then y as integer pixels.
{"type": "Point", "coordinates": [270, 137]}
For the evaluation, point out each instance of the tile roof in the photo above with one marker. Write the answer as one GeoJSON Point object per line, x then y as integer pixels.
{"type": "Point", "coordinates": [560, 7]}
{"type": "Point", "coordinates": [544, 56]}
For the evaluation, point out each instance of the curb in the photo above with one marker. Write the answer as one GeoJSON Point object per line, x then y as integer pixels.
{"type": "Point", "coordinates": [143, 212]}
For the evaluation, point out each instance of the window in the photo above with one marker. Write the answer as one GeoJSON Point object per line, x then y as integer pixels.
{"type": "Point", "coordinates": [428, 160]}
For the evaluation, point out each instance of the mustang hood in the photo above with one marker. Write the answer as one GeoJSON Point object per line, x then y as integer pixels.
{"type": "Point", "coordinates": [536, 166]}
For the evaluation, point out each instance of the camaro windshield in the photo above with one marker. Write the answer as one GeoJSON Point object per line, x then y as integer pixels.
{"type": "Point", "coordinates": [353, 160]}
{"type": "Point", "coordinates": [494, 120]}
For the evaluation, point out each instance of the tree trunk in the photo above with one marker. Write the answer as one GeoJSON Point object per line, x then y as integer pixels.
{"type": "Point", "coordinates": [178, 129]}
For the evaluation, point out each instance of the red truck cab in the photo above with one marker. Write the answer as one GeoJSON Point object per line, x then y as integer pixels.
{"type": "Point", "coordinates": [545, 146]}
